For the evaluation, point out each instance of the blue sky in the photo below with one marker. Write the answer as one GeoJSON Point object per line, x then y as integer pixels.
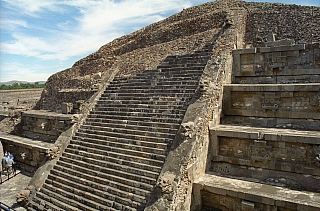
{"type": "Point", "coordinates": [41, 37]}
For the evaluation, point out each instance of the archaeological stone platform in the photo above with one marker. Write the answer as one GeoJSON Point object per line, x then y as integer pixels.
{"type": "Point", "coordinates": [268, 141]}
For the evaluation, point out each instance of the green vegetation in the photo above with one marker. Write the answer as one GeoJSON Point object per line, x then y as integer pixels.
{"type": "Point", "coordinates": [35, 85]}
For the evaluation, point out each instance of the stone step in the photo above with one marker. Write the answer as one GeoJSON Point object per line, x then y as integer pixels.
{"type": "Point", "coordinates": [187, 57]}
{"type": "Point", "coordinates": [154, 87]}
{"type": "Point", "coordinates": [153, 78]}
{"type": "Point", "coordinates": [169, 98]}
{"type": "Point", "coordinates": [168, 75]}
{"type": "Point", "coordinates": [161, 144]}
{"type": "Point", "coordinates": [112, 168]}
{"type": "Point", "coordinates": [106, 134]}
{"type": "Point", "coordinates": [120, 137]}
{"type": "Point", "coordinates": [159, 78]}
{"type": "Point", "coordinates": [74, 200]}
{"type": "Point", "coordinates": [118, 197]}
{"type": "Point", "coordinates": [140, 159]}
{"type": "Point", "coordinates": [187, 66]}
{"type": "Point", "coordinates": [174, 83]}
{"type": "Point", "coordinates": [105, 148]}
{"type": "Point", "coordinates": [193, 55]}
{"type": "Point", "coordinates": [43, 202]}
{"type": "Point", "coordinates": [54, 200]}
{"type": "Point", "coordinates": [145, 101]}
{"type": "Point", "coordinates": [31, 206]}
{"type": "Point", "coordinates": [148, 127]}
{"type": "Point", "coordinates": [137, 114]}
{"type": "Point", "coordinates": [119, 122]}
{"type": "Point", "coordinates": [102, 189]}
{"type": "Point", "coordinates": [181, 68]}
{"type": "Point", "coordinates": [87, 198]}
{"type": "Point", "coordinates": [161, 119]}
{"type": "Point", "coordinates": [107, 144]}
{"type": "Point", "coordinates": [121, 183]}
{"type": "Point", "coordinates": [107, 105]}
{"type": "Point", "coordinates": [139, 110]}
{"type": "Point", "coordinates": [172, 72]}
{"type": "Point", "coordinates": [134, 84]}
{"type": "Point", "coordinates": [122, 200]}
{"type": "Point", "coordinates": [184, 63]}
{"type": "Point", "coordinates": [128, 131]}
{"type": "Point", "coordinates": [149, 90]}
{"type": "Point", "coordinates": [134, 164]}
{"type": "Point", "coordinates": [135, 95]}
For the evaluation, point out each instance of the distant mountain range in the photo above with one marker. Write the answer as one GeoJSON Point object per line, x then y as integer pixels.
{"type": "Point", "coordinates": [22, 82]}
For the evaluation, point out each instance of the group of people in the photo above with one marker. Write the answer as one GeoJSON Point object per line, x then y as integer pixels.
{"type": "Point", "coordinates": [7, 161]}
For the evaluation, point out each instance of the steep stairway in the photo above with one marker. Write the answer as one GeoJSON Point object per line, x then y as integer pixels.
{"type": "Point", "coordinates": [114, 159]}
{"type": "Point", "coordinates": [268, 141]}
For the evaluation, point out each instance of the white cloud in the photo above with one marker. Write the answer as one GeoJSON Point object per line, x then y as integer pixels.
{"type": "Point", "coordinates": [32, 7]}
{"type": "Point", "coordinates": [10, 24]}
{"type": "Point", "coordinates": [14, 71]}
{"type": "Point", "coordinates": [99, 22]}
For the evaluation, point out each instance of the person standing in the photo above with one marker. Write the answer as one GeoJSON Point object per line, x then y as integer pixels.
{"type": "Point", "coordinates": [10, 164]}
{"type": "Point", "coordinates": [10, 155]}
{"type": "Point", "coordinates": [4, 161]}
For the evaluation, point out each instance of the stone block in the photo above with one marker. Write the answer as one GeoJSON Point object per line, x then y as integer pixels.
{"type": "Point", "coordinates": [280, 42]}
{"type": "Point", "coordinates": [253, 198]}
{"type": "Point", "coordinates": [247, 59]}
{"type": "Point", "coordinates": [268, 201]}
{"type": "Point", "coordinates": [264, 49]}
{"type": "Point", "coordinates": [247, 206]}
{"type": "Point", "coordinates": [288, 48]}
{"type": "Point", "coordinates": [245, 51]}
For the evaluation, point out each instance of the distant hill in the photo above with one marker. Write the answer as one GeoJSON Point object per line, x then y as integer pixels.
{"type": "Point", "coordinates": [21, 82]}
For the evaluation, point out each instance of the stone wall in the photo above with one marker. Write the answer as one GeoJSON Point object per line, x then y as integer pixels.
{"type": "Point", "coordinates": [286, 63]}
{"type": "Point", "coordinates": [44, 125]}
{"type": "Point", "coordinates": [300, 23]}
{"type": "Point", "coordinates": [230, 194]}
{"type": "Point", "coordinates": [30, 154]}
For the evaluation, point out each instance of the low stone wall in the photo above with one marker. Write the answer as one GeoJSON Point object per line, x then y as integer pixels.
{"type": "Point", "coordinates": [25, 151]}
{"type": "Point", "coordinates": [44, 125]}
{"type": "Point", "coordinates": [231, 194]}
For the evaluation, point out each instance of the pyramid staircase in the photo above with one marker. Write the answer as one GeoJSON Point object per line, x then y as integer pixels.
{"type": "Point", "coordinates": [115, 158]}
{"type": "Point", "coordinates": [265, 153]}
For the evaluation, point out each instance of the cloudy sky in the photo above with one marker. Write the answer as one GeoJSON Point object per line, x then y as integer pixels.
{"type": "Point", "coordinates": [41, 37]}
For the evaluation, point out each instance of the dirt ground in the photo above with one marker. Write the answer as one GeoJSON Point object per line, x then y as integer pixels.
{"type": "Point", "coordinates": [12, 103]}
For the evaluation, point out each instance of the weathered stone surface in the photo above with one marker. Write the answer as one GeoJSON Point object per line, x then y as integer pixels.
{"type": "Point", "coordinates": [260, 195]}
{"type": "Point", "coordinates": [274, 138]}
{"type": "Point", "coordinates": [226, 25]}
{"type": "Point", "coordinates": [277, 64]}
{"type": "Point", "coordinates": [45, 125]}
{"type": "Point", "coordinates": [24, 150]}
